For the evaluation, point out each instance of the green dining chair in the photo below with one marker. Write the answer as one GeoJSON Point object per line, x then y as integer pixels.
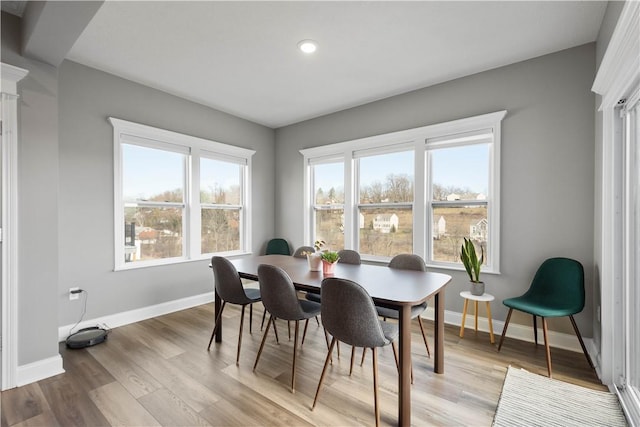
{"type": "Point", "coordinates": [557, 290]}
{"type": "Point", "coordinates": [277, 247]}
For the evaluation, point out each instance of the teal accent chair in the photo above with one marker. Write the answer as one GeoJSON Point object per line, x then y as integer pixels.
{"type": "Point", "coordinates": [557, 290]}
{"type": "Point", "coordinates": [278, 247]}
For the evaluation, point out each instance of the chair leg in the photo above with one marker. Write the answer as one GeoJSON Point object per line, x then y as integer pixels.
{"type": "Point", "coordinates": [275, 330]}
{"type": "Point", "coordinates": [317, 321]}
{"type": "Point", "coordinates": [375, 385]}
{"type": "Point", "coordinates": [424, 336]}
{"type": "Point", "coordinates": [535, 329]}
{"type": "Point", "coordinates": [264, 314]}
{"type": "Point", "coordinates": [304, 333]}
{"type": "Point", "coordinates": [295, 348]}
{"type": "Point", "coordinates": [364, 351]}
{"type": "Point", "coordinates": [217, 324]}
{"type": "Point", "coordinates": [324, 371]}
{"type": "Point", "coordinates": [250, 318]}
{"type": "Point", "coordinates": [289, 328]}
{"type": "Point", "coordinates": [584, 349]}
{"type": "Point", "coordinates": [504, 330]}
{"type": "Point", "coordinates": [353, 355]}
{"type": "Point", "coordinates": [240, 334]}
{"type": "Point", "coordinates": [546, 344]}
{"type": "Point", "coordinates": [264, 338]}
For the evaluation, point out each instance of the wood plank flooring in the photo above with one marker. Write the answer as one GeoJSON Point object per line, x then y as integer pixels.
{"type": "Point", "coordinates": [158, 372]}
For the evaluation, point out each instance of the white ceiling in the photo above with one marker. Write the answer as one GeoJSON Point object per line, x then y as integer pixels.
{"type": "Point", "coordinates": [241, 57]}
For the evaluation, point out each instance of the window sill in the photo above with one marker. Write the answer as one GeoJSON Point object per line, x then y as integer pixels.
{"type": "Point", "coordinates": [164, 263]}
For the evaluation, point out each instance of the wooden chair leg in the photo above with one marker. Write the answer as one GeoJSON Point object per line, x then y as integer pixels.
{"type": "Point", "coordinates": [375, 385]}
{"type": "Point", "coordinates": [584, 349]}
{"type": "Point", "coordinates": [264, 314]}
{"type": "Point", "coordinates": [264, 338]}
{"type": "Point", "coordinates": [295, 348]}
{"type": "Point", "coordinates": [275, 330]}
{"type": "Point", "coordinates": [364, 351]}
{"type": "Point", "coordinates": [250, 318]}
{"type": "Point", "coordinates": [535, 329]}
{"type": "Point", "coordinates": [317, 321]}
{"type": "Point", "coordinates": [546, 344]}
{"type": "Point", "coordinates": [289, 329]}
{"type": "Point", "coordinates": [504, 330]}
{"type": "Point", "coordinates": [217, 324]}
{"type": "Point", "coordinates": [424, 336]}
{"type": "Point", "coordinates": [324, 371]}
{"type": "Point", "coordinates": [240, 334]}
{"type": "Point", "coordinates": [304, 333]}
{"type": "Point", "coordinates": [353, 356]}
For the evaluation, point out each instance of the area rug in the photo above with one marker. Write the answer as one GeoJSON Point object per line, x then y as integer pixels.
{"type": "Point", "coordinates": [533, 400]}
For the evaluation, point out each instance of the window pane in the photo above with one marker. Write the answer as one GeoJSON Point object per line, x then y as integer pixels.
{"type": "Point", "coordinates": [330, 228]}
{"type": "Point", "coordinates": [220, 182]}
{"type": "Point", "coordinates": [152, 233]}
{"type": "Point", "coordinates": [220, 230]}
{"type": "Point", "coordinates": [451, 224]}
{"type": "Point", "coordinates": [153, 175]}
{"type": "Point", "coordinates": [328, 180]}
{"type": "Point", "coordinates": [386, 232]}
{"type": "Point", "coordinates": [460, 173]}
{"type": "Point", "coordinates": [386, 178]}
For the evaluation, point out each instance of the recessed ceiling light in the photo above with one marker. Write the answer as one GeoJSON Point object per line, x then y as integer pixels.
{"type": "Point", "coordinates": [308, 46]}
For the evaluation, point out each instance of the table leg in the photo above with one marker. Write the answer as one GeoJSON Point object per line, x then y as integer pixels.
{"type": "Point", "coordinates": [216, 310]}
{"type": "Point", "coordinates": [404, 379]}
{"type": "Point", "coordinates": [464, 317]}
{"type": "Point", "coordinates": [438, 353]}
{"type": "Point", "coordinates": [475, 311]}
{"type": "Point", "coordinates": [490, 323]}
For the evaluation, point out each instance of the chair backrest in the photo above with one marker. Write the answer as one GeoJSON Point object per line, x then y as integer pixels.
{"type": "Point", "coordinates": [301, 251]}
{"type": "Point", "coordinates": [347, 256]}
{"type": "Point", "coordinates": [560, 282]}
{"type": "Point", "coordinates": [278, 293]}
{"type": "Point", "coordinates": [277, 247]}
{"type": "Point", "coordinates": [227, 281]}
{"type": "Point", "coordinates": [348, 313]}
{"type": "Point", "coordinates": [408, 262]}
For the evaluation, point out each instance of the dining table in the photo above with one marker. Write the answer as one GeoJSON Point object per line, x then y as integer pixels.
{"type": "Point", "coordinates": [388, 287]}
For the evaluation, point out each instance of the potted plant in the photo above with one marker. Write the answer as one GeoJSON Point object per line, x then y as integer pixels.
{"type": "Point", "coordinates": [472, 264]}
{"type": "Point", "coordinates": [313, 258]}
{"type": "Point", "coordinates": [329, 260]}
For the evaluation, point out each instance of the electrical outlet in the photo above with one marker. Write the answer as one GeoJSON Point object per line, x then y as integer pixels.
{"type": "Point", "coordinates": [72, 295]}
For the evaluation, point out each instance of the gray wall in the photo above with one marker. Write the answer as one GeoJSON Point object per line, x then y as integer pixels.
{"type": "Point", "coordinates": [547, 162]}
{"type": "Point", "coordinates": [87, 98]}
{"type": "Point", "coordinates": [37, 201]}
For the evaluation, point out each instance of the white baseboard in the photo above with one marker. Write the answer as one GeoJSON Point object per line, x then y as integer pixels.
{"type": "Point", "coordinates": [132, 316]}
{"type": "Point", "coordinates": [515, 331]}
{"type": "Point", "coordinates": [36, 371]}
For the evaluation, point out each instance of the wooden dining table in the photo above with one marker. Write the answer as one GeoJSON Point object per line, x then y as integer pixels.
{"type": "Point", "coordinates": [389, 287]}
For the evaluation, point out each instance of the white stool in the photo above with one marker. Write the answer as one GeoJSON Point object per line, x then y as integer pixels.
{"type": "Point", "coordinates": [475, 298]}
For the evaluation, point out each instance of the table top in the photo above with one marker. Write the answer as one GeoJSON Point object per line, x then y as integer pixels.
{"type": "Point", "coordinates": [387, 286]}
{"type": "Point", "coordinates": [483, 297]}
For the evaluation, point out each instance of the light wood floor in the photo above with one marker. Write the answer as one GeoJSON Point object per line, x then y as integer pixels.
{"type": "Point", "coordinates": [158, 372]}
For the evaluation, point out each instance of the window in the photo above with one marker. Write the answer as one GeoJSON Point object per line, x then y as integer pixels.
{"type": "Point", "coordinates": [177, 197]}
{"type": "Point", "coordinates": [416, 191]}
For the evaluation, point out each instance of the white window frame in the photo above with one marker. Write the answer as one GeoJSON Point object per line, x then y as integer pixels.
{"type": "Point", "coordinates": [310, 218]}
{"type": "Point", "coordinates": [194, 148]}
{"type": "Point", "coordinates": [413, 139]}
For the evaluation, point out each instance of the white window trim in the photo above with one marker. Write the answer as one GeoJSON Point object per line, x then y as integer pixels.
{"type": "Point", "coordinates": [395, 141]}
{"type": "Point", "coordinates": [195, 148]}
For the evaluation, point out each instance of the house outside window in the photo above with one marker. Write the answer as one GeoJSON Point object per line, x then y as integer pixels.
{"type": "Point", "coordinates": [417, 191]}
{"type": "Point", "coordinates": [177, 197]}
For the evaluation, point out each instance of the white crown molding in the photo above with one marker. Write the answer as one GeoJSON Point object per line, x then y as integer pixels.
{"type": "Point", "coordinates": [11, 75]}
{"type": "Point", "coordinates": [619, 68]}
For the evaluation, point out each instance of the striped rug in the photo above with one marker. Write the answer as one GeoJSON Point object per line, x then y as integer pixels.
{"type": "Point", "coordinates": [533, 400]}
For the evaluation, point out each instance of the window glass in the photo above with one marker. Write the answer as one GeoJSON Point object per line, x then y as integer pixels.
{"type": "Point", "coordinates": [385, 232]}
{"type": "Point", "coordinates": [152, 233]}
{"type": "Point", "coordinates": [150, 174]}
{"type": "Point", "coordinates": [451, 224]}
{"type": "Point", "coordinates": [460, 173]}
{"type": "Point", "coordinates": [220, 230]}
{"type": "Point", "coordinates": [386, 178]}
{"type": "Point", "coordinates": [220, 182]}
{"type": "Point", "coordinates": [328, 200]}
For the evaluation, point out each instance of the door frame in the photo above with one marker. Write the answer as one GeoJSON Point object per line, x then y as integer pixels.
{"type": "Point", "coordinates": [11, 75]}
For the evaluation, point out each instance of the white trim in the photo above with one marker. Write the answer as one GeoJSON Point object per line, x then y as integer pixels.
{"type": "Point", "coordinates": [617, 75]}
{"type": "Point", "coordinates": [10, 77]}
{"type": "Point", "coordinates": [139, 314]}
{"type": "Point", "coordinates": [39, 370]}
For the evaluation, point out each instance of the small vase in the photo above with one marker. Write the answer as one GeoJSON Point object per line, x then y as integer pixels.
{"type": "Point", "coordinates": [328, 267]}
{"type": "Point", "coordinates": [315, 262]}
{"type": "Point", "coordinates": [477, 288]}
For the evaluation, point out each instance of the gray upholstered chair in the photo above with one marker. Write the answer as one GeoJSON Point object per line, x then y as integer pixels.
{"type": "Point", "coordinates": [281, 301]}
{"type": "Point", "coordinates": [302, 251]}
{"type": "Point", "coordinates": [230, 290]}
{"type": "Point", "coordinates": [348, 313]}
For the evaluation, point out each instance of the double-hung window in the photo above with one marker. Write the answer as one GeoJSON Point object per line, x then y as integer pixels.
{"type": "Point", "coordinates": [415, 191]}
{"type": "Point", "coordinates": [177, 197]}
